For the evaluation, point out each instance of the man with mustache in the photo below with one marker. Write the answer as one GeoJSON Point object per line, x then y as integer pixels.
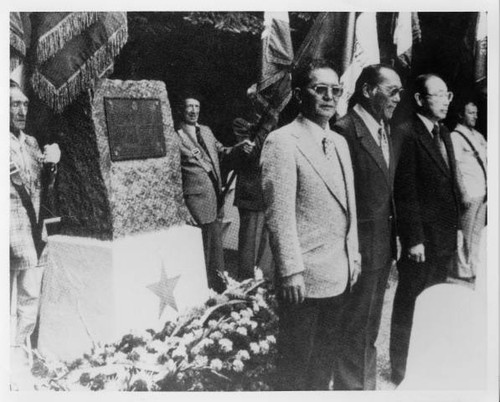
{"type": "Point", "coordinates": [427, 206]}
{"type": "Point", "coordinates": [28, 255]}
{"type": "Point", "coordinates": [374, 155]}
{"type": "Point", "coordinates": [202, 183]}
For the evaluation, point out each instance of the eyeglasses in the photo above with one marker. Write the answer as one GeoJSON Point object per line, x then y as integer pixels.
{"type": "Point", "coordinates": [323, 90]}
{"type": "Point", "coordinates": [394, 91]}
{"type": "Point", "coordinates": [442, 95]}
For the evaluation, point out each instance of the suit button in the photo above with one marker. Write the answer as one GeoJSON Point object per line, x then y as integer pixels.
{"type": "Point", "coordinates": [390, 218]}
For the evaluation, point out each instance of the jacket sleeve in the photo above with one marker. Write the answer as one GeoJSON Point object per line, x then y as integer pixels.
{"type": "Point", "coordinates": [410, 227]}
{"type": "Point", "coordinates": [279, 185]}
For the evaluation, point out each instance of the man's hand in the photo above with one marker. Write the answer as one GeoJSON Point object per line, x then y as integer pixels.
{"type": "Point", "coordinates": [417, 253]}
{"type": "Point", "coordinates": [355, 272]}
{"type": "Point", "coordinates": [293, 288]}
{"type": "Point", "coordinates": [51, 153]}
{"type": "Point", "coordinates": [246, 146]}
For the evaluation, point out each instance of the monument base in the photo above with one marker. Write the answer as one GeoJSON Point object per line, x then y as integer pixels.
{"type": "Point", "coordinates": [97, 291]}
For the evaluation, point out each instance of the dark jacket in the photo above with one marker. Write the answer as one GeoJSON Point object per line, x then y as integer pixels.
{"type": "Point", "coordinates": [425, 191]}
{"type": "Point", "coordinates": [373, 182]}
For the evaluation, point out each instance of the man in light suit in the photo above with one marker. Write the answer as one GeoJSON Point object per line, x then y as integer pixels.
{"type": "Point", "coordinates": [202, 183]}
{"type": "Point", "coordinates": [374, 155]}
{"type": "Point", "coordinates": [308, 189]}
{"type": "Point", "coordinates": [427, 205]}
{"type": "Point", "coordinates": [28, 255]}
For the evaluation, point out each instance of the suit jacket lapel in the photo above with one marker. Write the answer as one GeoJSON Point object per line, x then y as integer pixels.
{"type": "Point", "coordinates": [311, 150]}
{"type": "Point", "coordinates": [392, 158]}
{"type": "Point", "coordinates": [212, 152]}
{"type": "Point", "coordinates": [373, 149]}
{"type": "Point", "coordinates": [427, 142]}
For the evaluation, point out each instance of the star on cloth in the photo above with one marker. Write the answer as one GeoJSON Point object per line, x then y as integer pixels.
{"type": "Point", "coordinates": [164, 289]}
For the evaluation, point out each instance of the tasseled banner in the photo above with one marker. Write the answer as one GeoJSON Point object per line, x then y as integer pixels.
{"type": "Point", "coordinates": [56, 38]}
{"type": "Point", "coordinates": [17, 33]}
{"type": "Point", "coordinates": [85, 78]}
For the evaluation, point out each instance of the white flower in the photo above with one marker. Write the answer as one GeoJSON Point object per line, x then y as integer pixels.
{"type": "Point", "coordinates": [159, 346]}
{"type": "Point", "coordinates": [180, 351]}
{"type": "Point", "coordinates": [235, 316]}
{"type": "Point", "coordinates": [264, 347]}
{"type": "Point", "coordinates": [226, 345]}
{"type": "Point", "coordinates": [271, 339]}
{"type": "Point", "coordinates": [257, 273]}
{"type": "Point", "coordinates": [119, 357]}
{"type": "Point", "coordinates": [216, 335]}
{"type": "Point", "coordinates": [247, 313]}
{"type": "Point", "coordinates": [243, 355]}
{"type": "Point", "coordinates": [254, 348]}
{"type": "Point", "coordinates": [253, 324]}
{"type": "Point", "coordinates": [216, 364]}
{"type": "Point", "coordinates": [212, 324]}
{"type": "Point", "coordinates": [141, 351]}
{"type": "Point", "coordinates": [196, 323]}
{"type": "Point", "coordinates": [206, 342]}
{"type": "Point", "coordinates": [201, 361]}
{"type": "Point", "coordinates": [244, 321]}
{"type": "Point", "coordinates": [242, 331]}
{"type": "Point", "coordinates": [238, 365]}
{"type": "Point", "coordinates": [188, 338]}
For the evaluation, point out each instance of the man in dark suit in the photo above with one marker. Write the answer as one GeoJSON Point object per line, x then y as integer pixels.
{"type": "Point", "coordinates": [373, 154]}
{"type": "Point", "coordinates": [427, 206]}
{"type": "Point", "coordinates": [202, 183]}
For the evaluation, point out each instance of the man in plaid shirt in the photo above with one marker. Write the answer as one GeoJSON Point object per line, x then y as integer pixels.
{"type": "Point", "coordinates": [27, 254]}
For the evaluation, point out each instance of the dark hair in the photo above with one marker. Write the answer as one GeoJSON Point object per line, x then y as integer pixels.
{"type": "Point", "coordinates": [300, 75]}
{"type": "Point", "coordinates": [370, 76]}
{"type": "Point", "coordinates": [420, 85]}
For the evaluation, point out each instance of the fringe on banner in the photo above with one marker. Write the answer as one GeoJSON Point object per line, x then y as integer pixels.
{"type": "Point", "coordinates": [84, 79]}
{"type": "Point", "coordinates": [54, 40]}
{"type": "Point", "coordinates": [15, 62]}
{"type": "Point", "coordinates": [18, 43]}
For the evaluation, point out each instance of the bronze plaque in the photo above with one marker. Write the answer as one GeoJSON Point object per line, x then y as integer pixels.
{"type": "Point", "coordinates": [135, 128]}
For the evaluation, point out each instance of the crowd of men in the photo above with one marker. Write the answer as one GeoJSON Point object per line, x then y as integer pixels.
{"type": "Point", "coordinates": [336, 207]}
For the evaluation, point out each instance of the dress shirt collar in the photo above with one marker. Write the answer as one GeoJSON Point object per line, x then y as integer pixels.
{"type": "Point", "coordinates": [315, 129]}
{"type": "Point", "coordinates": [429, 125]}
{"type": "Point", "coordinates": [373, 125]}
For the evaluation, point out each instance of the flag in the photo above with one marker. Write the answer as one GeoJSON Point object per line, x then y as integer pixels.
{"type": "Point", "coordinates": [274, 87]}
{"type": "Point", "coordinates": [349, 40]}
{"type": "Point", "coordinates": [406, 32]}
{"type": "Point", "coordinates": [72, 51]}
{"type": "Point", "coordinates": [481, 48]}
{"type": "Point", "coordinates": [17, 40]}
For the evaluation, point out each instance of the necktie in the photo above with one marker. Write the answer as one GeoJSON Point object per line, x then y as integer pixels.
{"type": "Point", "coordinates": [332, 157]}
{"type": "Point", "coordinates": [384, 143]}
{"type": "Point", "coordinates": [438, 142]}
{"type": "Point", "coordinates": [201, 141]}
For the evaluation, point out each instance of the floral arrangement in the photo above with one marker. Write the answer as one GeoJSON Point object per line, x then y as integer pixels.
{"type": "Point", "coordinates": [228, 344]}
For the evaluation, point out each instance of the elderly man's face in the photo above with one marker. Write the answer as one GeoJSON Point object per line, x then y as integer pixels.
{"type": "Point", "coordinates": [386, 95]}
{"type": "Point", "coordinates": [191, 111]}
{"type": "Point", "coordinates": [470, 115]}
{"type": "Point", "coordinates": [436, 101]}
{"type": "Point", "coordinates": [18, 110]}
{"type": "Point", "coordinates": [320, 97]}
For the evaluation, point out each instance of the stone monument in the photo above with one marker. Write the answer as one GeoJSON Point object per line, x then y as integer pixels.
{"type": "Point", "coordinates": [133, 263]}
